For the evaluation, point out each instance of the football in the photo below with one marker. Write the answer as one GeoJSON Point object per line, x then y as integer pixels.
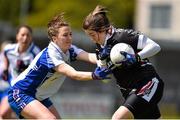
{"type": "Point", "coordinates": [115, 54]}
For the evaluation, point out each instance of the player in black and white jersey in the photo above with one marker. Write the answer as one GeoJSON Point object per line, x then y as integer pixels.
{"type": "Point", "coordinates": [137, 79]}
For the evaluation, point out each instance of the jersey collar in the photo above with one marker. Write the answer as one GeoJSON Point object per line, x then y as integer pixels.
{"type": "Point", "coordinates": [28, 50]}
{"type": "Point", "coordinates": [108, 36]}
{"type": "Point", "coordinates": [65, 56]}
{"type": "Point", "coordinates": [56, 46]}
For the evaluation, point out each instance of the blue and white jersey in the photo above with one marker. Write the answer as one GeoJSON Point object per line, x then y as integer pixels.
{"type": "Point", "coordinates": [19, 62]}
{"type": "Point", "coordinates": [40, 79]}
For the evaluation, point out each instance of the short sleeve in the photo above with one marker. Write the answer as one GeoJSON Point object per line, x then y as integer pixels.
{"type": "Point", "coordinates": [52, 58]}
{"type": "Point", "coordinates": [77, 50]}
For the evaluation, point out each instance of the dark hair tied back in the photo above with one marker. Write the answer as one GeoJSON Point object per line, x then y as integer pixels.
{"type": "Point", "coordinates": [99, 10]}
{"type": "Point", "coordinates": [97, 20]}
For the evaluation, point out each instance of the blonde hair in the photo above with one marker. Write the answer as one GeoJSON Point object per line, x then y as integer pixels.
{"type": "Point", "coordinates": [53, 25]}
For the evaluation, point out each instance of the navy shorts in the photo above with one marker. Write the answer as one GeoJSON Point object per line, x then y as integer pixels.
{"type": "Point", "coordinates": [18, 100]}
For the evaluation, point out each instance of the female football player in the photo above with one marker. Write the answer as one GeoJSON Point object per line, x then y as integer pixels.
{"type": "Point", "coordinates": [17, 57]}
{"type": "Point", "coordinates": [137, 79]}
{"type": "Point", "coordinates": [30, 92]}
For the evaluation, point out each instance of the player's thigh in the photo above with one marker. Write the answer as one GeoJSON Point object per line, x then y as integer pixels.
{"type": "Point", "coordinates": [5, 109]}
{"type": "Point", "coordinates": [54, 111]}
{"type": "Point", "coordinates": [122, 113]}
{"type": "Point", "coordinates": [141, 108]}
{"type": "Point", "coordinates": [36, 110]}
{"type": "Point", "coordinates": [4, 103]}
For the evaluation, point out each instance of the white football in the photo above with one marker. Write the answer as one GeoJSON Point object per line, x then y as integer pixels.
{"type": "Point", "coordinates": [115, 55]}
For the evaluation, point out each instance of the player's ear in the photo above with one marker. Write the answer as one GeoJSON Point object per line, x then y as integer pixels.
{"type": "Point", "coordinates": [54, 38]}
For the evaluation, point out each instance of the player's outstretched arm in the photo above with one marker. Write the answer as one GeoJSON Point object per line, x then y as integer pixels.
{"type": "Point", "coordinates": [98, 74]}
{"type": "Point", "coordinates": [88, 57]}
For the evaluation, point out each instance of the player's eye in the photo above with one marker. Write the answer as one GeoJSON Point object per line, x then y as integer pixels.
{"type": "Point", "coordinates": [92, 35]}
{"type": "Point", "coordinates": [65, 35]}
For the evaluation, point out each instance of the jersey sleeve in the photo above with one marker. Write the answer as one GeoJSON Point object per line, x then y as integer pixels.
{"type": "Point", "coordinates": [52, 59]}
{"type": "Point", "coordinates": [8, 48]}
{"type": "Point", "coordinates": [148, 47]}
{"type": "Point", "coordinates": [77, 50]}
{"type": "Point", "coordinates": [74, 51]}
{"type": "Point", "coordinates": [36, 50]}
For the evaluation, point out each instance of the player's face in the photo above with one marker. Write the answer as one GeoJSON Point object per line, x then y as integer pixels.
{"type": "Point", "coordinates": [24, 37]}
{"type": "Point", "coordinates": [96, 37]}
{"type": "Point", "coordinates": [64, 38]}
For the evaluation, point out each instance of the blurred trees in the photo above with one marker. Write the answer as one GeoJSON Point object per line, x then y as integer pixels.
{"type": "Point", "coordinates": [9, 11]}
{"type": "Point", "coordinates": [39, 12]}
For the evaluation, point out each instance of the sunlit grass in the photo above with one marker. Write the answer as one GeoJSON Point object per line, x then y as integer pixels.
{"type": "Point", "coordinates": [169, 111]}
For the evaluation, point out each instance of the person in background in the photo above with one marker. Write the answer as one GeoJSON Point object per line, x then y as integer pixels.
{"type": "Point", "coordinates": [136, 77]}
{"type": "Point", "coordinates": [4, 85]}
{"type": "Point", "coordinates": [16, 58]}
{"type": "Point", "coordinates": [44, 76]}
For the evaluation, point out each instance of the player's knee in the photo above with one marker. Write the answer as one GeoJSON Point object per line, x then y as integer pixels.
{"type": "Point", "coordinates": [114, 117]}
{"type": "Point", "coordinates": [52, 117]}
{"type": "Point", "coordinates": [5, 115]}
{"type": "Point", "coordinates": [122, 113]}
{"type": "Point", "coordinates": [119, 116]}
{"type": "Point", "coordinates": [49, 116]}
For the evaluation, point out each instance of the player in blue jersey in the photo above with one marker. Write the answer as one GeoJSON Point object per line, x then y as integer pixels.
{"type": "Point", "coordinates": [17, 57]}
{"type": "Point", "coordinates": [30, 92]}
{"type": "Point", "coordinates": [140, 84]}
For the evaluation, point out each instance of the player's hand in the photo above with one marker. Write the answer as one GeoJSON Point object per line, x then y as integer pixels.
{"type": "Point", "coordinates": [105, 52]}
{"type": "Point", "coordinates": [101, 73]}
{"type": "Point", "coordinates": [4, 75]}
{"type": "Point", "coordinates": [73, 55]}
{"type": "Point", "coordinates": [130, 59]}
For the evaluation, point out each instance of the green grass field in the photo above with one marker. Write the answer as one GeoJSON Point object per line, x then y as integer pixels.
{"type": "Point", "coordinates": [169, 111]}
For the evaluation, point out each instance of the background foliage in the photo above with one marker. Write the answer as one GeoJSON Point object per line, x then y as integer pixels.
{"type": "Point", "coordinates": [37, 13]}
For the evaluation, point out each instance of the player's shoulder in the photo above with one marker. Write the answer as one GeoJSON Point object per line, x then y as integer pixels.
{"type": "Point", "coordinates": [128, 31]}
{"type": "Point", "coordinates": [36, 49]}
{"type": "Point", "coordinates": [10, 46]}
{"type": "Point", "coordinates": [35, 46]}
{"type": "Point", "coordinates": [76, 48]}
{"type": "Point", "coordinates": [53, 51]}
{"type": "Point", "coordinates": [52, 48]}
{"type": "Point", "coordinates": [73, 46]}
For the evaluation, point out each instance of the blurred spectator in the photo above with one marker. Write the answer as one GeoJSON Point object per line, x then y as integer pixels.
{"type": "Point", "coordinates": [16, 58]}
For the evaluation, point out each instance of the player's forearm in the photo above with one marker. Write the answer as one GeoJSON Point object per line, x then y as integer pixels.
{"type": "Point", "coordinates": [92, 58]}
{"type": "Point", "coordinates": [82, 76]}
{"type": "Point", "coordinates": [149, 51]}
{"type": "Point", "coordinates": [148, 46]}
{"type": "Point", "coordinates": [72, 73]}
{"type": "Point", "coordinates": [88, 57]}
